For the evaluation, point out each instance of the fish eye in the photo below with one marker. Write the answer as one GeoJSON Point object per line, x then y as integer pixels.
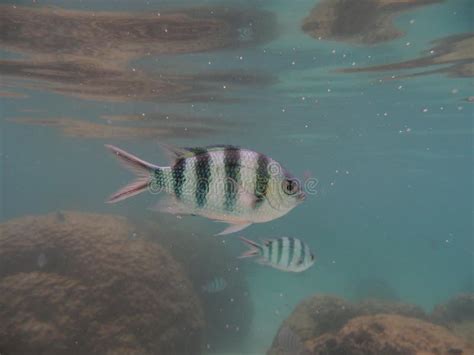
{"type": "Point", "coordinates": [312, 257]}
{"type": "Point", "coordinates": [290, 187]}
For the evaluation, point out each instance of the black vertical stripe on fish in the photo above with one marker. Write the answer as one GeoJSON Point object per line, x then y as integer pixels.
{"type": "Point", "coordinates": [289, 342]}
{"type": "Point", "coordinates": [262, 177]}
{"type": "Point", "coordinates": [179, 177]}
{"type": "Point", "coordinates": [280, 250]}
{"type": "Point", "coordinates": [202, 169]}
{"type": "Point", "coordinates": [291, 250]}
{"type": "Point", "coordinates": [232, 176]}
{"type": "Point", "coordinates": [159, 178]}
{"type": "Point", "coordinates": [270, 250]}
{"type": "Point", "coordinates": [302, 254]}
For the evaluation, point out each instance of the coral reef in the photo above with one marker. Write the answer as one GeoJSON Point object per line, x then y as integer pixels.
{"type": "Point", "coordinates": [319, 314]}
{"type": "Point", "coordinates": [389, 334]}
{"type": "Point", "coordinates": [456, 53]}
{"type": "Point", "coordinates": [458, 315]}
{"type": "Point", "coordinates": [326, 325]}
{"type": "Point", "coordinates": [77, 283]}
{"type": "Point", "coordinates": [325, 314]}
{"type": "Point", "coordinates": [361, 21]}
{"type": "Point", "coordinates": [228, 313]}
{"type": "Point", "coordinates": [458, 309]}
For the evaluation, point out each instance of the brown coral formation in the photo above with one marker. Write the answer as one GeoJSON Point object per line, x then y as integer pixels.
{"type": "Point", "coordinates": [361, 21]}
{"type": "Point", "coordinates": [458, 315]}
{"type": "Point", "coordinates": [330, 325]}
{"type": "Point", "coordinates": [389, 334]}
{"type": "Point", "coordinates": [88, 54]}
{"type": "Point", "coordinates": [456, 53]}
{"type": "Point", "coordinates": [324, 313]}
{"type": "Point", "coordinates": [75, 283]}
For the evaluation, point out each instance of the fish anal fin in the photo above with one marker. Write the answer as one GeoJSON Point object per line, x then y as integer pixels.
{"type": "Point", "coordinates": [232, 228]}
{"type": "Point", "coordinates": [262, 261]}
{"type": "Point", "coordinates": [170, 205]}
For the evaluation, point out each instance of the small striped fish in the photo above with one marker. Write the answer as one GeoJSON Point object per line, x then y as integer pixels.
{"type": "Point", "coordinates": [224, 183]}
{"type": "Point", "coordinates": [215, 285]}
{"type": "Point", "coordinates": [289, 343]}
{"type": "Point", "coordinates": [285, 254]}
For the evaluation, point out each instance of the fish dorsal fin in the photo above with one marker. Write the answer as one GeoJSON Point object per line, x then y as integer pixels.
{"type": "Point", "coordinates": [174, 153]}
{"type": "Point", "coordinates": [217, 147]}
{"type": "Point", "coordinates": [188, 152]}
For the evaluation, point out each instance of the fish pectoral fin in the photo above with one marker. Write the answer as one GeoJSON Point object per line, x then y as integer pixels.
{"type": "Point", "coordinates": [248, 199]}
{"type": "Point", "coordinates": [170, 205]}
{"type": "Point", "coordinates": [232, 228]}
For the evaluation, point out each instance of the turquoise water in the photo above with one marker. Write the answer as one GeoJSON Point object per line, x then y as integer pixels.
{"type": "Point", "coordinates": [392, 153]}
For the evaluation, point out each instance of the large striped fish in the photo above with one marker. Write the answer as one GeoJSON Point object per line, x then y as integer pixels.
{"type": "Point", "coordinates": [285, 254]}
{"type": "Point", "coordinates": [224, 183]}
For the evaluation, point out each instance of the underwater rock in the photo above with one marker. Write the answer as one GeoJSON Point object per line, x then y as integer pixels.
{"type": "Point", "coordinates": [361, 21]}
{"type": "Point", "coordinates": [318, 315]}
{"type": "Point", "coordinates": [459, 308]}
{"type": "Point", "coordinates": [457, 315]}
{"type": "Point", "coordinates": [76, 283]}
{"type": "Point", "coordinates": [205, 257]}
{"type": "Point", "coordinates": [390, 334]}
{"type": "Point", "coordinates": [325, 314]}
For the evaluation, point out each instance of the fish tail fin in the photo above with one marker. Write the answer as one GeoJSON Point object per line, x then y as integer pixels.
{"type": "Point", "coordinates": [255, 249]}
{"type": "Point", "coordinates": [144, 171]}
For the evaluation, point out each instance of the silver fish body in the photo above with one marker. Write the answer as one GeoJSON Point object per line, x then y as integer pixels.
{"type": "Point", "coordinates": [224, 183]}
{"type": "Point", "coordinates": [285, 253]}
